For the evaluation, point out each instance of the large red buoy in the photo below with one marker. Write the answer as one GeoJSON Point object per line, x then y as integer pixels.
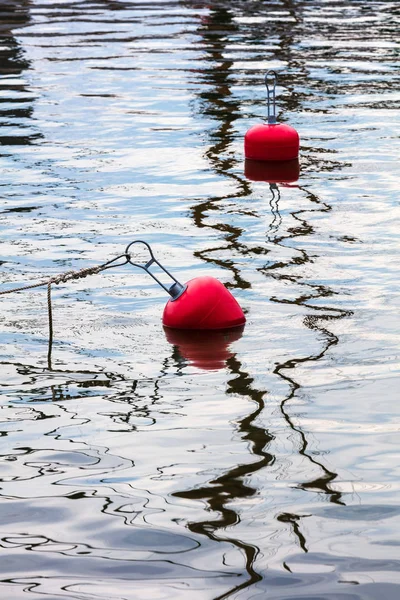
{"type": "Point", "coordinates": [205, 304]}
{"type": "Point", "coordinates": [272, 140]}
{"type": "Point", "coordinates": [202, 303]}
{"type": "Point", "coordinates": [208, 350]}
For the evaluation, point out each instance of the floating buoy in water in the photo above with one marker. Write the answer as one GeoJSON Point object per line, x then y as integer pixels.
{"type": "Point", "coordinates": [202, 303]}
{"type": "Point", "coordinates": [208, 350]}
{"type": "Point", "coordinates": [271, 141]}
{"type": "Point", "coordinates": [205, 304]}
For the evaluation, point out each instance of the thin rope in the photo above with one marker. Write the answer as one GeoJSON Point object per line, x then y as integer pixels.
{"type": "Point", "coordinates": [63, 278]}
{"type": "Point", "coordinates": [50, 313]}
{"type": "Point", "coordinates": [24, 287]}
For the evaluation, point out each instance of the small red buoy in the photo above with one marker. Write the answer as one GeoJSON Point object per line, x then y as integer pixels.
{"type": "Point", "coordinates": [202, 303]}
{"type": "Point", "coordinates": [272, 140]}
{"type": "Point", "coordinates": [208, 350]}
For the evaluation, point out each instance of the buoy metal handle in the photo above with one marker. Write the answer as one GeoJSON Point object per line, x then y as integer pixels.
{"type": "Point", "coordinates": [175, 290]}
{"type": "Point", "coordinates": [271, 96]}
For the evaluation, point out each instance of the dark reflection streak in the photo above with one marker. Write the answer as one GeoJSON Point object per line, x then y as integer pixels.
{"type": "Point", "coordinates": [59, 393]}
{"type": "Point", "coordinates": [274, 204]}
{"type": "Point", "coordinates": [312, 322]}
{"type": "Point", "coordinates": [320, 483]}
{"type": "Point", "coordinates": [299, 231]}
{"type": "Point", "coordinates": [286, 566]}
{"type": "Point", "coordinates": [133, 396]}
{"type": "Point", "coordinates": [293, 520]}
{"type": "Point", "coordinates": [50, 320]}
{"type": "Point", "coordinates": [292, 102]}
{"type": "Point", "coordinates": [219, 104]}
{"type": "Point", "coordinates": [15, 15]}
{"type": "Point", "coordinates": [35, 372]}
{"type": "Point", "coordinates": [230, 486]}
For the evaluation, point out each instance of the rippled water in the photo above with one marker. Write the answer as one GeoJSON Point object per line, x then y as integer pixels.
{"type": "Point", "coordinates": [145, 465]}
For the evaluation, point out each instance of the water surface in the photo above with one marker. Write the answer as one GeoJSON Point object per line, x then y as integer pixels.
{"type": "Point", "coordinates": [144, 465]}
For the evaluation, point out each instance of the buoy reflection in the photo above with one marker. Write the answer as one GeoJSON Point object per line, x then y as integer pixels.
{"type": "Point", "coordinates": [280, 171]}
{"type": "Point", "coordinates": [207, 350]}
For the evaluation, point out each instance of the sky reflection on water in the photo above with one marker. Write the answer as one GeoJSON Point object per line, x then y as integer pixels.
{"type": "Point", "coordinates": [145, 463]}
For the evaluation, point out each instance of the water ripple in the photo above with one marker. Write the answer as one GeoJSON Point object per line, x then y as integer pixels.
{"type": "Point", "coordinates": [148, 463]}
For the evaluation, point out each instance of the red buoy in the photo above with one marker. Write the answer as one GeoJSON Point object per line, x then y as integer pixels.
{"type": "Point", "coordinates": [208, 350]}
{"type": "Point", "coordinates": [271, 141]}
{"type": "Point", "coordinates": [202, 303]}
{"type": "Point", "coordinates": [205, 304]}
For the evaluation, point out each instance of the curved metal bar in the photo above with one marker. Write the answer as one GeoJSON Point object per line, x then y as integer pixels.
{"type": "Point", "coordinates": [175, 290]}
{"type": "Point", "coordinates": [110, 263]}
{"type": "Point", "coordinates": [138, 242]}
{"type": "Point", "coordinates": [271, 96]}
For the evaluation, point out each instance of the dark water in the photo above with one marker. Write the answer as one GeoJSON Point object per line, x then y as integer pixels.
{"type": "Point", "coordinates": [141, 466]}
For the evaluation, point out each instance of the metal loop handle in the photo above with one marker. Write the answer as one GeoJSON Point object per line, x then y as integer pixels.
{"type": "Point", "coordinates": [175, 290]}
{"type": "Point", "coordinates": [148, 248]}
{"type": "Point", "coordinates": [271, 96]}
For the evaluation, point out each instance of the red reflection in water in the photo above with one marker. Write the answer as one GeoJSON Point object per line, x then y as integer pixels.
{"type": "Point", "coordinates": [206, 350]}
{"type": "Point", "coordinates": [282, 171]}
